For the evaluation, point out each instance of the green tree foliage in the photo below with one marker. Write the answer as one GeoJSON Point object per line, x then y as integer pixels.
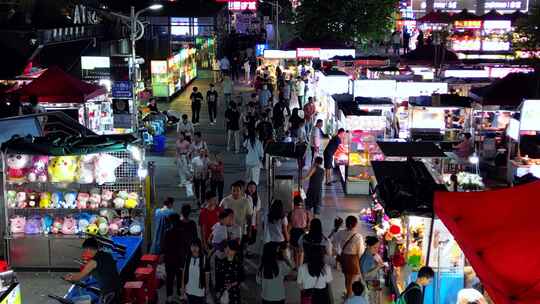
{"type": "Point", "coordinates": [527, 35]}
{"type": "Point", "coordinates": [361, 21]}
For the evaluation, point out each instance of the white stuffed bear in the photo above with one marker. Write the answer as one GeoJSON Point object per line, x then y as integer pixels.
{"type": "Point", "coordinates": [85, 175]}
{"type": "Point", "coordinates": [105, 165]}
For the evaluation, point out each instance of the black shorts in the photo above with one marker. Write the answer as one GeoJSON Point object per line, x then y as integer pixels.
{"type": "Point", "coordinates": [328, 161]}
{"type": "Point", "coordinates": [296, 233]}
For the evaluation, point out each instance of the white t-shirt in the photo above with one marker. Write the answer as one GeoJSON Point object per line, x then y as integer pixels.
{"type": "Point", "coordinates": [273, 232]}
{"type": "Point", "coordinates": [306, 281]}
{"type": "Point", "coordinates": [192, 286]}
{"type": "Point", "coordinates": [222, 233]}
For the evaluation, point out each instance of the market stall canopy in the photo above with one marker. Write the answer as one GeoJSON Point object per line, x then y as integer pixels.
{"type": "Point", "coordinates": [494, 15]}
{"type": "Point", "coordinates": [465, 15]}
{"type": "Point", "coordinates": [405, 187]}
{"type": "Point", "coordinates": [297, 43]}
{"type": "Point", "coordinates": [437, 17]}
{"type": "Point", "coordinates": [56, 86]}
{"type": "Point", "coordinates": [410, 149]}
{"type": "Point", "coordinates": [352, 106]}
{"type": "Point", "coordinates": [509, 91]}
{"type": "Point", "coordinates": [55, 145]}
{"type": "Point", "coordinates": [425, 55]}
{"type": "Point", "coordinates": [498, 232]}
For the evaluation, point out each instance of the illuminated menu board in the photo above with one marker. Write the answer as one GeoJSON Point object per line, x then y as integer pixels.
{"type": "Point", "coordinates": [502, 6]}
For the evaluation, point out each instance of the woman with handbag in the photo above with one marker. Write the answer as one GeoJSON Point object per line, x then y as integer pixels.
{"type": "Point", "coordinates": [349, 246]}
{"type": "Point", "coordinates": [229, 275]}
{"type": "Point", "coordinates": [371, 265]}
{"type": "Point", "coordinates": [313, 278]}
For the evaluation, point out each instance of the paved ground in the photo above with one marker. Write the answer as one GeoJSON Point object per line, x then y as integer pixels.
{"type": "Point", "coordinates": [35, 286]}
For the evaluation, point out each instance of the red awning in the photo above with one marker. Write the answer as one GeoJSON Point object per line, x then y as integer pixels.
{"type": "Point", "coordinates": [56, 86]}
{"type": "Point", "coordinates": [499, 233]}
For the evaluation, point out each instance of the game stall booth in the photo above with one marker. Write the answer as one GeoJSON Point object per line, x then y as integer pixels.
{"type": "Point", "coordinates": [58, 190]}
{"type": "Point", "coordinates": [87, 103]}
{"type": "Point", "coordinates": [367, 120]}
{"type": "Point", "coordinates": [402, 217]}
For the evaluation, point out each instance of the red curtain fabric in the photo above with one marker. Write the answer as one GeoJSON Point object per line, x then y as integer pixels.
{"type": "Point", "coordinates": [56, 86]}
{"type": "Point", "coordinates": [499, 232]}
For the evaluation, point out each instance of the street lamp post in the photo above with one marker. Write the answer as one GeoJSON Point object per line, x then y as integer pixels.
{"type": "Point", "coordinates": [136, 32]}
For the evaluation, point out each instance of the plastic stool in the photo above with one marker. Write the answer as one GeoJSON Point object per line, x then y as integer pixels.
{"type": "Point", "coordinates": [150, 260]}
{"type": "Point", "coordinates": [134, 292]}
{"type": "Point", "coordinates": [148, 276]}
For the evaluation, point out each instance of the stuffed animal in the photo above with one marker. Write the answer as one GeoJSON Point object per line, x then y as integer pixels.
{"type": "Point", "coordinates": [95, 199]}
{"type": "Point", "coordinates": [38, 170]}
{"type": "Point", "coordinates": [92, 229]}
{"type": "Point", "coordinates": [46, 224]}
{"type": "Point", "coordinates": [135, 228]}
{"type": "Point", "coordinates": [45, 200]}
{"type": "Point", "coordinates": [57, 225]}
{"type": "Point", "coordinates": [17, 224]}
{"type": "Point", "coordinates": [62, 169]}
{"type": "Point", "coordinates": [103, 226]}
{"type": "Point", "coordinates": [57, 199]}
{"type": "Point", "coordinates": [85, 175]}
{"type": "Point", "coordinates": [106, 164]}
{"type": "Point", "coordinates": [109, 214]}
{"type": "Point", "coordinates": [70, 225]}
{"type": "Point", "coordinates": [11, 198]}
{"type": "Point", "coordinates": [33, 225]}
{"type": "Point", "coordinates": [70, 200]}
{"type": "Point", "coordinates": [17, 167]}
{"type": "Point", "coordinates": [82, 200]}
{"type": "Point", "coordinates": [84, 221]}
{"type": "Point", "coordinates": [119, 203]}
{"type": "Point", "coordinates": [22, 199]}
{"type": "Point", "coordinates": [115, 225]}
{"type": "Point", "coordinates": [106, 198]}
{"type": "Point", "coordinates": [32, 199]}
{"type": "Point", "coordinates": [132, 200]}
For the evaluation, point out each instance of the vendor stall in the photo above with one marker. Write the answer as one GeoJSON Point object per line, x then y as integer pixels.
{"type": "Point", "coordinates": [367, 120]}
{"type": "Point", "coordinates": [55, 90]}
{"type": "Point", "coordinates": [59, 189]}
{"type": "Point", "coordinates": [174, 74]}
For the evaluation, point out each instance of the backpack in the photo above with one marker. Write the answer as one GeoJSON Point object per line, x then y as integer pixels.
{"type": "Point", "coordinates": [401, 298]}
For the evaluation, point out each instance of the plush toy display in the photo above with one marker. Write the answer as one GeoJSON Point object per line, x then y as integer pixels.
{"type": "Point", "coordinates": [45, 200]}
{"type": "Point", "coordinates": [92, 229]}
{"type": "Point", "coordinates": [11, 198]}
{"type": "Point", "coordinates": [62, 169]}
{"type": "Point", "coordinates": [17, 224]}
{"type": "Point", "coordinates": [32, 199]}
{"type": "Point", "coordinates": [103, 226]}
{"type": "Point", "coordinates": [46, 224]}
{"type": "Point", "coordinates": [33, 225]}
{"type": "Point", "coordinates": [17, 167]}
{"type": "Point", "coordinates": [132, 200]}
{"type": "Point", "coordinates": [38, 170]}
{"type": "Point", "coordinates": [85, 175]}
{"type": "Point", "coordinates": [22, 199]}
{"type": "Point", "coordinates": [82, 200]}
{"type": "Point", "coordinates": [106, 198]}
{"type": "Point", "coordinates": [84, 221]}
{"type": "Point", "coordinates": [95, 199]}
{"type": "Point", "coordinates": [105, 166]}
{"type": "Point", "coordinates": [57, 199]}
{"type": "Point", "coordinates": [70, 225]}
{"type": "Point", "coordinates": [119, 202]}
{"type": "Point", "coordinates": [135, 228]}
{"type": "Point", "coordinates": [57, 225]}
{"type": "Point", "coordinates": [70, 200]}
{"type": "Point", "coordinates": [115, 225]}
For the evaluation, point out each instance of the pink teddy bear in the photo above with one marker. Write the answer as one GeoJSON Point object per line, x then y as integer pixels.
{"type": "Point", "coordinates": [38, 171]}
{"type": "Point", "coordinates": [82, 200]}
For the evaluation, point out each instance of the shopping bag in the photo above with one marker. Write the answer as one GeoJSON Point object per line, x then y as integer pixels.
{"type": "Point", "coordinates": [189, 190]}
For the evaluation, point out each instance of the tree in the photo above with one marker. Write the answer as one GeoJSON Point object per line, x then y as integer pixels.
{"type": "Point", "coordinates": [527, 34]}
{"type": "Point", "coordinates": [360, 21]}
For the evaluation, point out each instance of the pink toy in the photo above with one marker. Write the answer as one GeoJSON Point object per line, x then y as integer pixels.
{"type": "Point", "coordinates": [38, 170]}
{"type": "Point", "coordinates": [114, 226]}
{"type": "Point", "coordinates": [95, 199]}
{"type": "Point", "coordinates": [106, 198]}
{"type": "Point", "coordinates": [22, 200]}
{"type": "Point", "coordinates": [70, 225]}
{"type": "Point", "coordinates": [17, 165]}
{"type": "Point", "coordinates": [57, 225]}
{"type": "Point", "coordinates": [17, 224]}
{"type": "Point", "coordinates": [105, 166]}
{"type": "Point", "coordinates": [82, 200]}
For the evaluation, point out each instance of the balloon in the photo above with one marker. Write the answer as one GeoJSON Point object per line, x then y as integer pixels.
{"type": "Point", "coordinates": [395, 229]}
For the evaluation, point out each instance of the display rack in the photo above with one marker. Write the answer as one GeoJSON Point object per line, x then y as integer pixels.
{"type": "Point", "coordinates": [47, 247]}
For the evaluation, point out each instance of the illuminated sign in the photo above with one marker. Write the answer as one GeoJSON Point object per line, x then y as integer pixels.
{"type": "Point", "coordinates": [277, 54]}
{"type": "Point", "coordinates": [408, 89]}
{"type": "Point", "coordinates": [497, 25]}
{"type": "Point", "coordinates": [259, 49]}
{"type": "Point", "coordinates": [495, 45]}
{"type": "Point", "coordinates": [468, 24]}
{"type": "Point", "coordinates": [512, 130]}
{"type": "Point", "coordinates": [530, 115]}
{"type": "Point", "coordinates": [505, 5]}
{"type": "Point", "coordinates": [308, 52]}
{"type": "Point", "coordinates": [327, 54]}
{"type": "Point", "coordinates": [242, 5]}
{"type": "Point", "coordinates": [466, 45]}
{"type": "Point", "coordinates": [374, 88]}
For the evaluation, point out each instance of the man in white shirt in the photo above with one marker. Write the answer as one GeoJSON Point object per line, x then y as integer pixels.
{"type": "Point", "coordinates": [315, 139]}
{"type": "Point", "coordinates": [300, 91]}
{"type": "Point", "coordinates": [240, 204]}
{"type": "Point", "coordinates": [185, 126]}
